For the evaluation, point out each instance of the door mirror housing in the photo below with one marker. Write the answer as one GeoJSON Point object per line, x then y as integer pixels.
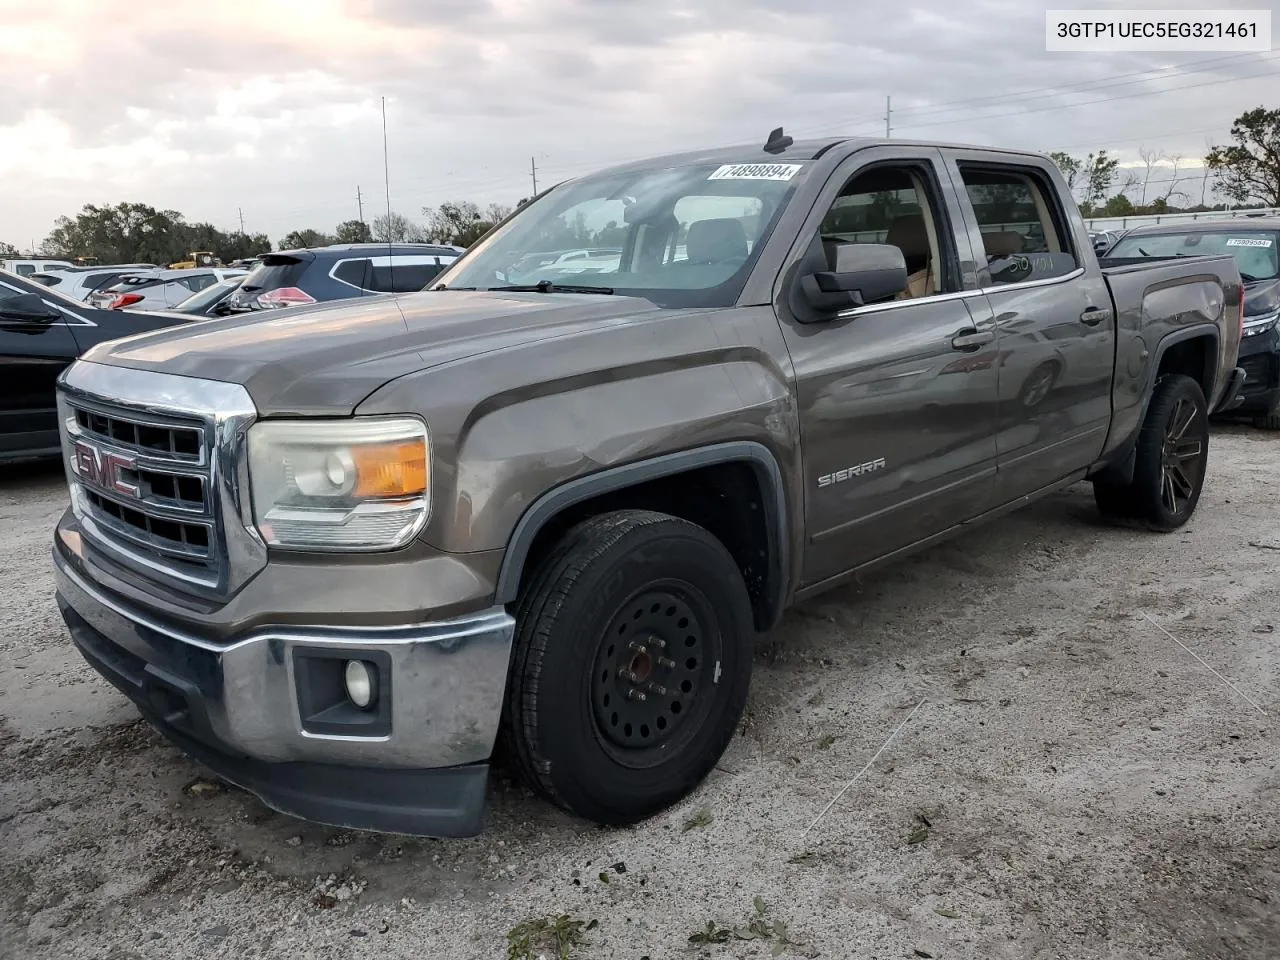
{"type": "Point", "coordinates": [27, 308]}
{"type": "Point", "coordinates": [860, 273]}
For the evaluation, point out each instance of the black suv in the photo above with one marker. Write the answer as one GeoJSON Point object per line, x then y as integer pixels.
{"type": "Point", "coordinates": [338, 272]}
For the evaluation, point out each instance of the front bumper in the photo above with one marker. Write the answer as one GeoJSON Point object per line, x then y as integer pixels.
{"type": "Point", "coordinates": [259, 711]}
{"type": "Point", "coordinates": [1259, 357]}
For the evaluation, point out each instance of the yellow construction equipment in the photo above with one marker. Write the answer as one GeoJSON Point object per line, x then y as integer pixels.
{"type": "Point", "coordinates": [197, 258]}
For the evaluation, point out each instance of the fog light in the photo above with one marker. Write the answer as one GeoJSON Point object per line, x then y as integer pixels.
{"type": "Point", "coordinates": [362, 683]}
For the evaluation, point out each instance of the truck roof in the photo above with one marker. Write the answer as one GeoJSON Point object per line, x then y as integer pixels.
{"type": "Point", "coordinates": [811, 149]}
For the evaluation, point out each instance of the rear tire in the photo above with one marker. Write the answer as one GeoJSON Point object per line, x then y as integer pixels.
{"type": "Point", "coordinates": [631, 666]}
{"type": "Point", "coordinates": [1172, 454]}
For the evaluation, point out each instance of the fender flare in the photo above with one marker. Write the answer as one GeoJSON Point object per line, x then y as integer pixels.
{"type": "Point", "coordinates": [613, 479]}
{"type": "Point", "coordinates": [1119, 467]}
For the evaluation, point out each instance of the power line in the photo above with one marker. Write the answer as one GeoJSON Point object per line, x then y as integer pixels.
{"type": "Point", "coordinates": [1086, 103]}
{"type": "Point", "coordinates": [1002, 99]}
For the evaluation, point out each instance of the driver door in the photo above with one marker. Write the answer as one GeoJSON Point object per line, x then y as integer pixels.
{"type": "Point", "coordinates": [898, 399]}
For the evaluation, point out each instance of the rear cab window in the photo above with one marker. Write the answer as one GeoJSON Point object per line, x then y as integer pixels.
{"type": "Point", "coordinates": [1023, 227]}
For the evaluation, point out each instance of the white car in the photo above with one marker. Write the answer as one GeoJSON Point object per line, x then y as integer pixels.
{"type": "Point", "coordinates": [158, 289]}
{"type": "Point", "coordinates": [79, 282]}
{"type": "Point", "coordinates": [25, 268]}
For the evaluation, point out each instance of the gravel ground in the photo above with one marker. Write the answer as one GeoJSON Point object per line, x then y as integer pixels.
{"type": "Point", "coordinates": [1065, 780]}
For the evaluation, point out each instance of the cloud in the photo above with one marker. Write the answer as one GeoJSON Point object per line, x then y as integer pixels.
{"type": "Point", "coordinates": [273, 108]}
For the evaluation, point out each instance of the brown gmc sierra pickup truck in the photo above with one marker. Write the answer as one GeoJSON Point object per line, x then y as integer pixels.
{"type": "Point", "coordinates": [343, 555]}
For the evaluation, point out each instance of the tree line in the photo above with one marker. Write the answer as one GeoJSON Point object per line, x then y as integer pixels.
{"type": "Point", "coordinates": [139, 233]}
{"type": "Point", "coordinates": [1245, 171]}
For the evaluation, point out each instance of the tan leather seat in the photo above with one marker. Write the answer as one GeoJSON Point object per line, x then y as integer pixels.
{"type": "Point", "coordinates": [908, 234]}
{"type": "Point", "coordinates": [721, 240]}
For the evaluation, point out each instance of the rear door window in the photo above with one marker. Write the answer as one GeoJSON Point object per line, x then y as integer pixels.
{"type": "Point", "coordinates": [1023, 230]}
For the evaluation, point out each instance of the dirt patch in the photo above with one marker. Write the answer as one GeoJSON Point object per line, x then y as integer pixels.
{"type": "Point", "coordinates": [1074, 784]}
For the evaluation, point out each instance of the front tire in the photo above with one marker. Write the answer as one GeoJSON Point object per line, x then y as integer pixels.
{"type": "Point", "coordinates": [631, 666]}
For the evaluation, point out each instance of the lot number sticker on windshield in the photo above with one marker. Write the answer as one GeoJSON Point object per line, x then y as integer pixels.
{"type": "Point", "coordinates": [1248, 243]}
{"type": "Point", "coordinates": [756, 171]}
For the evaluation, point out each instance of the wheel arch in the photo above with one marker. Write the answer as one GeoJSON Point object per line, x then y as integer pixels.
{"type": "Point", "coordinates": [609, 488]}
{"type": "Point", "coordinates": [1192, 350]}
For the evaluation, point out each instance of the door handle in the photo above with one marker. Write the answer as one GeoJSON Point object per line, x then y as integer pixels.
{"type": "Point", "coordinates": [971, 339]}
{"type": "Point", "coordinates": [1092, 317]}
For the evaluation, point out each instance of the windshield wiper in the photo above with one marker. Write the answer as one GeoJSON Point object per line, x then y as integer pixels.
{"type": "Point", "coordinates": [1247, 278]}
{"type": "Point", "coordinates": [445, 286]}
{"type": "Point", "coordinates": [546, 286]}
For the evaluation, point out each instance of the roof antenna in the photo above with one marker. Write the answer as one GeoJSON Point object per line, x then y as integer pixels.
{"type": "Point", "coordinates": [777, 142]}
{"type": "Point", "coordinates": [386, 179]}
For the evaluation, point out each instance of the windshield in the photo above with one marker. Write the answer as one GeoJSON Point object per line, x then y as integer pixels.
{"type": "Point", "coordinates": [1255, 251]}
{"type": "Point", "coordinates": [680, 236]}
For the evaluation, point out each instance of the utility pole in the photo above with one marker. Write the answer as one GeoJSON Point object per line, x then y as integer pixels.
{"type": "Point", "coordinates": [533, 171]}
{"type": "Point", "coordinates": [359, 203]}
{"type": "Point", "coordinates": [888, 112]}
{"type": "Point", "coordinates": [240, 210]}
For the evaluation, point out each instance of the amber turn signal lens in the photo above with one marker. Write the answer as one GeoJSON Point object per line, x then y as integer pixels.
{"type": "Point", "coordinates": [390, 469]}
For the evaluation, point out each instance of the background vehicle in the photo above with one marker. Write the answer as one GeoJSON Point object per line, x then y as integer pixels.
{"type": "Point", "coordinates": [341, 271]}
{"type": "Point", "coordinates": [559, 514]}
{"type": "Point", "coordinates": [211, 301]}
{"type": "Point", "coordinates": [24, 268]}
{"type": "Point", "coordinates": [1104, 239]}
{"type": "Point", "coordinates": [1254, 242]}
{"type": "Point", "coordinates": [79, 282]}
{"type": "Point", "coordinates": [157, 289]}
{"type": "Point", "coordinates": [41, 332]}
{"type": "Point", "coordinates": [198, 258]}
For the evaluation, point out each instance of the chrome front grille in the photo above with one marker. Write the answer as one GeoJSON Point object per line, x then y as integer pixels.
{"type": "Point", "coordinates": [145, 482]}
{"type": "Point", "coordinates": [154, 463]}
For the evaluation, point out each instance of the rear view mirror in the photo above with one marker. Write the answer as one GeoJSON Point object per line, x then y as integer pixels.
{"type": "Point", "coordinates": [860, 273]}
{"type": "Point", "coordinates": [27, 308]}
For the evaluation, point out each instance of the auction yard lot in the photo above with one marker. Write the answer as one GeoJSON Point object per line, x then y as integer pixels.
{"type": "Point", "coordinates": [1073, 783]}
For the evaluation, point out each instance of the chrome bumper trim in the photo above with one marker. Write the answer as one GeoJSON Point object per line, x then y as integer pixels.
{"type": "Point", "coordinates": [449, 680]}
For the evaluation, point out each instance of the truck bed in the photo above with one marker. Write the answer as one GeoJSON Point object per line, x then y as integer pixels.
{"type": "Point", "coordinates": [1154, 296]}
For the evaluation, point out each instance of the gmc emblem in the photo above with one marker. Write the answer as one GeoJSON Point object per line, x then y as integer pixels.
{"type": "Point", "coordinates": [104, 469]}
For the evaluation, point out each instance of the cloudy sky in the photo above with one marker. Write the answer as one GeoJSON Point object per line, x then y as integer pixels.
{"type": "Point", "coordinates": [273, 108]}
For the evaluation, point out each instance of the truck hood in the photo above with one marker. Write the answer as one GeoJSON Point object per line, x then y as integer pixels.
{"type": "Point", "coordinates": [1261, 298]}
{"type": "Point", "coordinates": [324, 360]}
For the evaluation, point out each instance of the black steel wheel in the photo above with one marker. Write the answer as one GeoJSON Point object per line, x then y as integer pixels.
{"type": "Point", "coordinates": [655, 663]}
{"type": "Point", "coordinates": [631, 665]}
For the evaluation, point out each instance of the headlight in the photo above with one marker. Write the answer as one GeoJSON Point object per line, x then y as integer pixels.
{"type": "Point", "coordinates": [357, 484]}
{"type": "Point", "coordinates": [1256, 325]}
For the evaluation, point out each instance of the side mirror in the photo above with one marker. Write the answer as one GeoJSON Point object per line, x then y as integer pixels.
{"type": "Point", "coordinates": [27, 308]}
{"type": "Point", "coordinates": [862, 273]}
